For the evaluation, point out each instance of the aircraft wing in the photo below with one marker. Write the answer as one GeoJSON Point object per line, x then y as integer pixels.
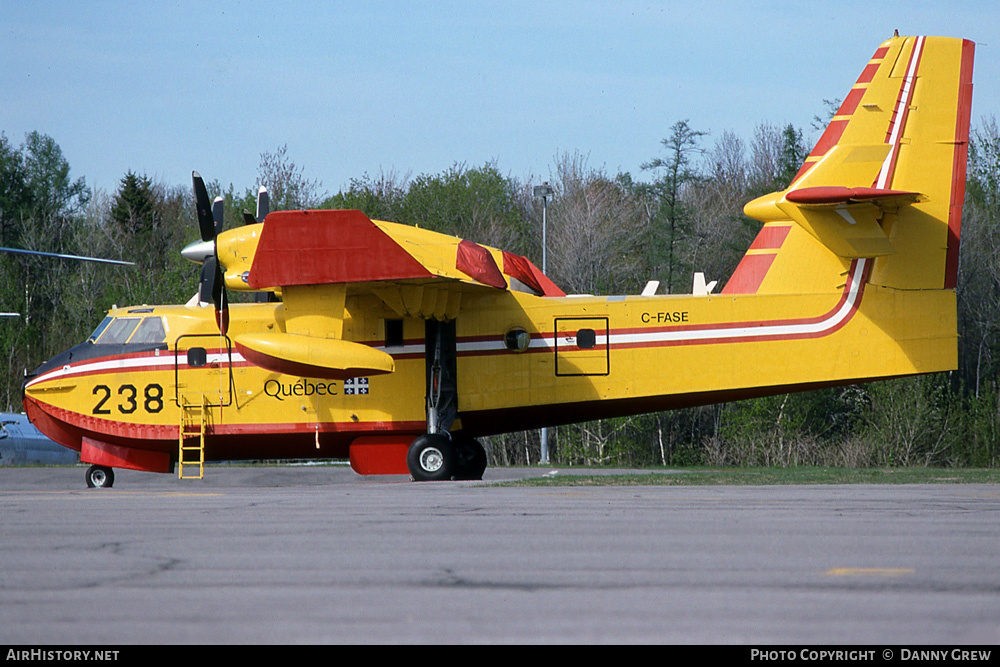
{"type": "Point", "coordinates": [346, 247]}
{"type": "Point", "coordinates": [316, 258]}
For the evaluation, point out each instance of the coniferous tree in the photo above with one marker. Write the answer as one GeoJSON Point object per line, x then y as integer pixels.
{"type": "Point", "coordinates": [671, 219]}
{"type": "Point", "coordinates": [134, 208]}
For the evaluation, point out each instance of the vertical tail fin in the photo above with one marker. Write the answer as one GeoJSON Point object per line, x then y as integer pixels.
{"type": "Point", "coordinates": [886, 180]}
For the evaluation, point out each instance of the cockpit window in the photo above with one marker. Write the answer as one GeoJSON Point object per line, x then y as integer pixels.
{"type": "Point", "coordinates": [132, 330]}
{"type": "Point", "coordinates": [150, 331]}
{"type": "Point", "coordinates": [118, 331]}
{"type": "Point", "coordinates": [99, 330]}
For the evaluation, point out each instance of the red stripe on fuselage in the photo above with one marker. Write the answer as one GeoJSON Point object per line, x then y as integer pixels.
{"type": "Point", "coordinates": [153, 436]}
{"type": "Point", "coordinates": [119, 364]}
{"type": "Point", "coordinates": [868, 73]}
{"type": "Point", "coordinates": [758, 323]}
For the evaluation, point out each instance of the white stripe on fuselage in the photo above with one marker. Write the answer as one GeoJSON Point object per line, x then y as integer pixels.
{"type": "Point", "coordinates": [710, 332]}
{"type": "Point", "coordinates": [124, 364]}
{"type": "Point", "coordinates": [715, 332]}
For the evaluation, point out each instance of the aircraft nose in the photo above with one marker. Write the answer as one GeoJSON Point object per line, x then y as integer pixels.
{"type": "Point", "coordinates": [28, 377]}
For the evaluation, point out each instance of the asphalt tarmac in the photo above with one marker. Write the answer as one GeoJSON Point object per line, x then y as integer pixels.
{"type": "Point", "coordinates": [307, 555]}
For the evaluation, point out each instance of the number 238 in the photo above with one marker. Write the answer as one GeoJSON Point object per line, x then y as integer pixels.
{"type": "Point", "coordinates": [129, 395]}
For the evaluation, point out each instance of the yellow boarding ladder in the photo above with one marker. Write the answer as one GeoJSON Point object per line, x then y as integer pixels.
{"type": "Point", "coordinates": [193, 421]}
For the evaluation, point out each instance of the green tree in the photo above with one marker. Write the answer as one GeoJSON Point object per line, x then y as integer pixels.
{"type": "Point", "coordinates": [793, 154]}
{"type": "Point", "coordinates": [379, 198]}
{"type": "Point", "coordinates": [672, 216]}
{"type": "Point", "coordinates": [14, 194]}
{"type": "Point", "coordinates": [134, 209]}
{"type": "Point", "coordinates": [979, 265]}
{"type": "Point", "coordinates": [42, 210]}
{"type": "Point", "coordinates": [776, 156]}
{"type": "Point", "coordinates": [144, 222]}
{"type": "Point", "coordinates": [55, 201]}
{"type": "Point", "coordinates": [480, 204]}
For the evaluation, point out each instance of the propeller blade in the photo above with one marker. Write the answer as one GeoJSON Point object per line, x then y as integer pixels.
{"type": "Point", "coordinates": [206, 222]}
{"type": "Point", "coordinates": [218, 214]}
{"type": "Point", "coordinates": [206, 287]}
{"type": "Point", "coordinates": [248, 218]}
{"type": "Point", "coordinates": [213, 289]}
{"type": "Point", "coordinates": [221, 300]}
{"type": "Point", "coordinates": [263, 204]}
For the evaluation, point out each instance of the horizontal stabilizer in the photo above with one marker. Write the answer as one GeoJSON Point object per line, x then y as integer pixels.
{"type": "Point", "coordinates": [820, 196]}
{"type": "Point", "coordinates": [835, 202]}
{"type": "Point", "coordinates": [845, 220]}
{"type": "Point", "coordinates": [848, 230]}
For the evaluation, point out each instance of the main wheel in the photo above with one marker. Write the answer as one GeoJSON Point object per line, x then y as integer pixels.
{"type": "Point", "coordinates": [471, 458]}
{"type": "Point", "coordinates": [100, 477]}
{"type": "Point", "coordinates": [432, 458]}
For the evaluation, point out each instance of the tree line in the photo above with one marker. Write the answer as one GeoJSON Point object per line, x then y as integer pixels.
{"type": "Point", "coordinates": [607, 234]}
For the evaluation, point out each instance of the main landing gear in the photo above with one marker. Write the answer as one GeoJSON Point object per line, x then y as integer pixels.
{"type": "Point", "coordinates": [437, 457]}
{"type": "Point", "coordinates": [440, 455]}
{"type": "Point", "coordinates": [100, 477]}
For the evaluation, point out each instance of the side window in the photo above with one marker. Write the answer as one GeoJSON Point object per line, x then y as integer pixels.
{"type": "Point", "coordinates": [99, 330]}
{"type": "Point", "coordinates": [393, 333]}
{"type": "Point", "coordinates": [517, 339]}
{"type": "Point", "coordinates": [197, 357]}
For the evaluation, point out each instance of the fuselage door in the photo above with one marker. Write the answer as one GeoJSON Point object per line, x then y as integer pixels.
{"type": "Point", "coordinates": [203, 371]}
{"type": "Point", "coordinates": [582, 346]}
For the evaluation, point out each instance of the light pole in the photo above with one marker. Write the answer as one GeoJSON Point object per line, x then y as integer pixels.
{"type": "Point", "coordinates": [544, 191]}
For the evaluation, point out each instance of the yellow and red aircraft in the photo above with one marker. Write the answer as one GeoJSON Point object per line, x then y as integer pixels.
{"type": "Point", "coordinates": [396, 347]}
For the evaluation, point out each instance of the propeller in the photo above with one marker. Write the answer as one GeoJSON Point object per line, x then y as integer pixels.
{"type": "Point", "coordinates": [211, 216]}
{"type": "Point", "coordinates": [210, 221]}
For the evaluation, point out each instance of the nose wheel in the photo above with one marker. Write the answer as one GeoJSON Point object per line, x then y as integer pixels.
{"type": "Point", "coordinates": [100, 477]}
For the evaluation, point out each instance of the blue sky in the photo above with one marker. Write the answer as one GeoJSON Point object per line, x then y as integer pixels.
{"type": "Point", "coordinates": [163, 88]}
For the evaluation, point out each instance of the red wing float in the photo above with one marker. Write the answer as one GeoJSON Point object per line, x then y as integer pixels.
{"type": "Point", "coordinates": [397, 347]}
